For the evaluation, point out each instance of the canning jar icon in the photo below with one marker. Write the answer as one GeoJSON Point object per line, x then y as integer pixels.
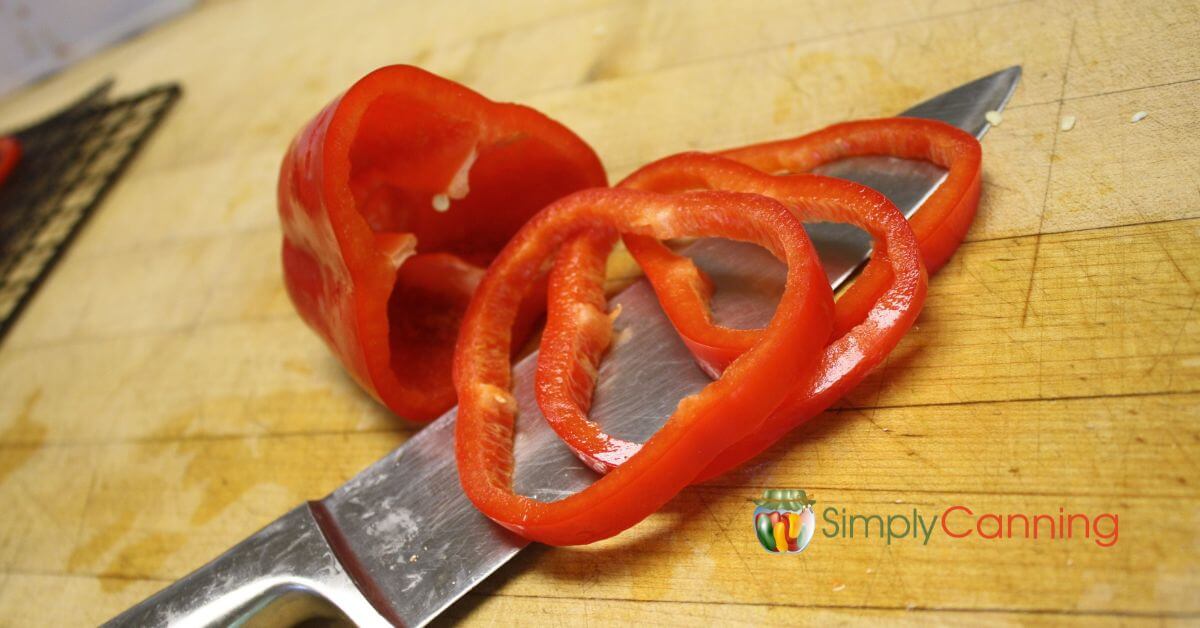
{"type": "Point", "coordinates": [783, 521]}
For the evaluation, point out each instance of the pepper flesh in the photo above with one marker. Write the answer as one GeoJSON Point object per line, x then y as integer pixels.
{"type": "Point", "coordinates": [577, 334]}
{"type": "Point", "coordinates": [880, 321]}
{"type": "Point", "coordinates": [392, 201]}
{"type": "Point", "coordinates": [700, 427]}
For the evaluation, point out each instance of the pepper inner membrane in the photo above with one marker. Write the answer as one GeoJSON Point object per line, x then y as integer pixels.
{"type": "Point", "coordinates": [463, 189]}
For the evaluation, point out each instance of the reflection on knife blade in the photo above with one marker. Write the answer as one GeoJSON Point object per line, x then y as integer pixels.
{"type": "Point", "coordinates": [400, 542]}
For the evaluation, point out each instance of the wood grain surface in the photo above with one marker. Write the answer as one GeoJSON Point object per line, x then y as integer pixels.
{"type": "Point", "coordinates": [159, 400]}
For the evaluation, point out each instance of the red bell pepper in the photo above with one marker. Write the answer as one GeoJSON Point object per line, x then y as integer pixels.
{"type": "Point", "coordinates": [877, 328]}
{"type": "Point", "coordinates": [392, 201]}
{"type": "Point", "coordinates": [10, 154]}
{"type": "Point", "coordinates": [703, 424]}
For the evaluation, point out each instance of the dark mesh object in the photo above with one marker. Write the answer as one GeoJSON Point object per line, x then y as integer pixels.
{"type": "Point", "coordinates": [69, 162]}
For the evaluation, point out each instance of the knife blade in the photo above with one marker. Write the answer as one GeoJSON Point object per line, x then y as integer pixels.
{"type": "Point", "coordinates": [400, 542]}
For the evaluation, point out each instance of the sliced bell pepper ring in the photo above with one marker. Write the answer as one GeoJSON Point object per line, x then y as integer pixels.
{"type": "Point", "coordinates": [939, 226]}
{"type": "Point", "coordinates": [843, 363]}
{"type": "Point", "coordinates": [897, 299]}
{"type": "Point", "coordinates": [871, 316]}
{"type": "Point", "coordinates": [10, 154]}
{"type": "Point", "coordinates": [944, 217]}
{"type": "Point", "coordinates": [393, 200]}
{"type": "Point", "coordinates": [700, 428]}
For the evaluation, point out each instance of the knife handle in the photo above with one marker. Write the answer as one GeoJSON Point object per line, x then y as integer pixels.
{"type": "Point", "coordinates": [281, 575]}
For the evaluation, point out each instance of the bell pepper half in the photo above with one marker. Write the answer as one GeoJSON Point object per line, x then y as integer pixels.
{"type": "Point", "coordinates": [393, 200]}
{"type": "Point", "coordinates": [701, 426]}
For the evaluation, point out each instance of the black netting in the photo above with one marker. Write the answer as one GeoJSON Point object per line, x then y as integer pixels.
{"type": "Point", "coordinates": [68, 163]}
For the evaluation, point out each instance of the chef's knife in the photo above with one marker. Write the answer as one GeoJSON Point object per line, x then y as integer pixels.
{"type": "Point", "coordinates": [400, 542]}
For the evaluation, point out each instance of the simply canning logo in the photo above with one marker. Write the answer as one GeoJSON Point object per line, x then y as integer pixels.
{"type": "Point", "coordinates": [785, 523]}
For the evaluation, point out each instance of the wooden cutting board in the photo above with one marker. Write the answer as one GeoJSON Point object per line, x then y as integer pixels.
{"type": "Point", "coordinates": [159, 400]}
